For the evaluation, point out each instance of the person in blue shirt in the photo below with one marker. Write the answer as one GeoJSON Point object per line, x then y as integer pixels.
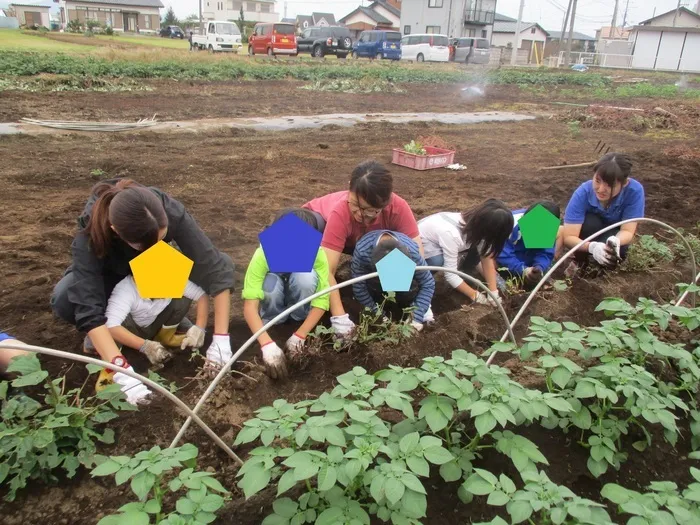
{"type": "Point", "coordinates": [530, 264]}
{"type": "Point", "coordinates": [372, 248]}
{"type": "Point", "coordinates": [611, 196]}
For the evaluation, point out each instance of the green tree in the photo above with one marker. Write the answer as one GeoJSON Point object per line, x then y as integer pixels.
{"type": "Point", "coordinates": [170, 19]}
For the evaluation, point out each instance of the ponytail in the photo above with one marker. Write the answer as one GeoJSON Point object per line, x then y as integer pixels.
{"type": "Point", "coordinates": [135, 212]}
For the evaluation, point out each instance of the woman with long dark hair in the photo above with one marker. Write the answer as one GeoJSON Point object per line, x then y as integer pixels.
{"type": "Point", "coordinates": [467, 240]}
{"type": "Point", "coordinates": [122, 219]}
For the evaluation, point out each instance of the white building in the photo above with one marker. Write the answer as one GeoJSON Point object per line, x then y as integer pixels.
{"type": "Point", "coordinates": [253, 11]}
{"type": "Point", "coordinates": [122, 15]}
{"type": "Point", "coordinates": [668, 42]}
{"type": "Point", "coordinates": [532, 38]}
{"type": "Point", "coordinates": [32, 13]}
{"type": "Point", "coordinates": [454, 18]}
{"type": "Point", "coordinates": [382, 14]}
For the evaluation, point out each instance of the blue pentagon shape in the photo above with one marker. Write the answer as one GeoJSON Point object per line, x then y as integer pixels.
{"type": "Point", "coordinates": [290, 245]}
{"type": "Point", "coordinates": [539, 228]}
{"type": "Point", "coordinates": [396, 271]}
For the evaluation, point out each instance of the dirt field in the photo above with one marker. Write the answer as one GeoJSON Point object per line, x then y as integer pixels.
{"type": "Point", "coordinates": [233, 182]}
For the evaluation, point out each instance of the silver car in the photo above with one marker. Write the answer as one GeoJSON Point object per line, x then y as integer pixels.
{"type": "Point", "coordinates": [472, 50]}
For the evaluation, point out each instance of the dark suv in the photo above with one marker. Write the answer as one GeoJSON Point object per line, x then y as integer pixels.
{"type": "Point", "coordinates": [320, 41]}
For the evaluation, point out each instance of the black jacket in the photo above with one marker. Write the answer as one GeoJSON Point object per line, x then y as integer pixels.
{"type": "Point", "coordinates": [95, 278]}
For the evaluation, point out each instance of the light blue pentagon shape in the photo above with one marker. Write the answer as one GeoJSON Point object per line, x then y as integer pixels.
{"type": "Point", "coordinates": [290, 245]}
{"type": "Point", "coordinates": [396, 271]}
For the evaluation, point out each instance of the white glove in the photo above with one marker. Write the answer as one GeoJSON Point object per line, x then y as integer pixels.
{"type": "Point", "coordinates": [613, 244]}
{"type": "Point", "coordinates": [194, 338]}
{"type": "Point", "coordinates": [155, 352]}
{"type": "Point", "coordinates": [600, 253]}
{"type": "Point", "coordinates": [219, 351]}
{"type": "Point", "coordinates": [483, 298]}
{"type": "Point", "coordinates": [295, 343]}
{"type": "Point", "coordinates": [429, 317]}
{"type": "Point", "coordinates": [136, 392]}
{"type": "Point", "coordinates": [274, 360]}
{"type": "Point", "coordinates": [342, 325]}
{"type": "Point", "coordinates": [417, 326]}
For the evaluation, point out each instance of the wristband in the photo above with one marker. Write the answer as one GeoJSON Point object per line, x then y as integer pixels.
{"type": "Point", "coordinates": [268, 343]}
{"type": "Point", "coordinates": [300, 337]}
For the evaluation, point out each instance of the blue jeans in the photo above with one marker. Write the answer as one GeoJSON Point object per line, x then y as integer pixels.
{"type": "Point", "coordinates": [282, 290]}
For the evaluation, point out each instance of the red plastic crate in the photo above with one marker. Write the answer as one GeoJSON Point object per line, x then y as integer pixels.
{"type": "Point", "coordinates": [434, 158]}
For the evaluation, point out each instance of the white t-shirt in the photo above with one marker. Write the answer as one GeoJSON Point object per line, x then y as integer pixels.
{"type": "Point", "coordinates": [125, 300]}
{"type": "Point", "coordinates": [441, 235]}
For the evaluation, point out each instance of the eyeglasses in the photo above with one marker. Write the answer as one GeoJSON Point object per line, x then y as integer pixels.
{"type": "Point", "coordinates": [369, 213]}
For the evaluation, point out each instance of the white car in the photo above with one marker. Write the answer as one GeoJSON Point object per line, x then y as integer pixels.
{"type": "Point", "coordinates": [219, 35]}
{"type": "Point", "coordinates": [425, 47]}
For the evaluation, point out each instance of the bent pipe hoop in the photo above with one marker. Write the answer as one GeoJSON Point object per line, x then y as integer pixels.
{"type": "Point", "coordinates": [568, 254]}
{"type": "Point", "coordinates": [155, 386]}
{"type": "Point", "coordinates": [267, 326]}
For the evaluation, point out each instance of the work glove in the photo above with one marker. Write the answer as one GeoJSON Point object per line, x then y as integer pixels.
{"type": "Point", "coordinates": [342, 325]}
{"type": "Point", "coordinates": [601, 253]}
{"type": "Point", "coordinates": [136, 392]}
{"type": "Point", "coordinates": [295, 343]}
{"type": "Point", "coordinates": [219, 351]}
{"type": "Point", "coordinates": [532, 275]}
{"type": "Point", "coordinates": [429, 317]}
{"type": "Point", "coordinates": [483, 298]}
{"type": "Point", "coordinates": [194, 337]}
{"type": "Point", "coordinates": [156, 353]}
{"type": "Point", "coordinates": [275, 362]}
{"type": "Point", "coordinates": [613, 246]}
{"type": "Point", "coordinates": [416, 326]}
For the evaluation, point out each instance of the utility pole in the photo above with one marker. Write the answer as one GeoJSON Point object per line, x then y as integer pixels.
{"type": "Point", "coordinates": [201, 21]}
{"type": "Point", "coordinates": [613, 24]}
{"type": "Point", "coordinates": [624, 18]}
{"type": "Point", "coordinates": [571, 32]}
{"type": "Point", "coordinates": [516, 44]}
{"type": "Point", "coordinates": [563, 27]}
{"type": "Point", "coordinates": [675, 16]}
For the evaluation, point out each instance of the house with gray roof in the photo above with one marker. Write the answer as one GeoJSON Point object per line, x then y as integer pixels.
{"type": "Point", "coordinates": [138, 16]}
{"type": "Point", "coordinates": [381, 14]}
{"type": "Point", "coordinates": [531, 41]}
{"type": "Point", "coordinates": [579, 42]}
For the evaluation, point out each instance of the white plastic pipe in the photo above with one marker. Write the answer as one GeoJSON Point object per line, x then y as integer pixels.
{"type": "Point", "coordinates": [575, 248]}
{"type": "Point", "coordinates": [152, 384]}
{"type": "Point", "coordinates": [267, 326]}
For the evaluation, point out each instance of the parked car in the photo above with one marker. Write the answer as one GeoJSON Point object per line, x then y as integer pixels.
{"type": "Point", "coordinates": [378, 44]}
{"type": "Point", "coordinates": [172, 32]}
{"type": "Point", "coordinates": [472, 50]}
{"type": "Point", "coordinates": [321, 41]}
{"type": "Point", "coordinates": [273, 39]}
{"type": "Point", "coordinates": [218, 36]}
{"type": "Point", "coordinates": [422, 47]}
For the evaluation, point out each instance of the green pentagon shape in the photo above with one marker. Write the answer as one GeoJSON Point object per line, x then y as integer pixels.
{"type": "Point", "coordinates": [539, 228]}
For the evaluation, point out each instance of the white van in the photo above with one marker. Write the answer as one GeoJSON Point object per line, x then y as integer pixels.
{"type": "Point", "coordinates": [422, 47]}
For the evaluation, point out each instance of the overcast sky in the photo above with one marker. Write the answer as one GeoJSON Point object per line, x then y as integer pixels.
{"type": "Point", "coordinates": [590, 14]}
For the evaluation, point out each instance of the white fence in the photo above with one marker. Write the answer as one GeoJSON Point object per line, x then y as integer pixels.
{"type": "Point", "coordinates": [9, 22]}
{"type": "Point", "coordinates": [595, 59]}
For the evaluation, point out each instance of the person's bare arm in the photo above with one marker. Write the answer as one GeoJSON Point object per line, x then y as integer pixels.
{"type": "Point", "coordinates": [7, 354]}
{"type": "Point", "coordinates": [467, 290]}
{"type": "Point", "coordinates": [104, 343]}
{"type": "Point", "coordinates": [125, 337]}
{"type": "Point", "coordinates": [222, 312]}
{"type": "Point", "coordinates": [315, 315]}
{"type": "Point", "coordinates": [488, 269]}
{"type": "Point", "coordinates": [626, 233]}
{"type": "Point", "coordinates": [202, 311]}
{"type": "Point", "coordinates": [333, 257]}
{"type": "Point", "coordinates": [570, 233]}
{"type": "Point", "coordinates": [252, 318]}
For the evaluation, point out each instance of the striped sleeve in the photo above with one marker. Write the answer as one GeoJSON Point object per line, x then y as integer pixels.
{"type": "Point", "coordinates": [426, 283]}
{"type": "Point", "coordinates": [361, 265]}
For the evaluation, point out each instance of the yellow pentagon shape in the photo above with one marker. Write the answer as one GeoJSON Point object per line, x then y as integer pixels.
{"type": "Point", "coordinates": [161, 272]}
